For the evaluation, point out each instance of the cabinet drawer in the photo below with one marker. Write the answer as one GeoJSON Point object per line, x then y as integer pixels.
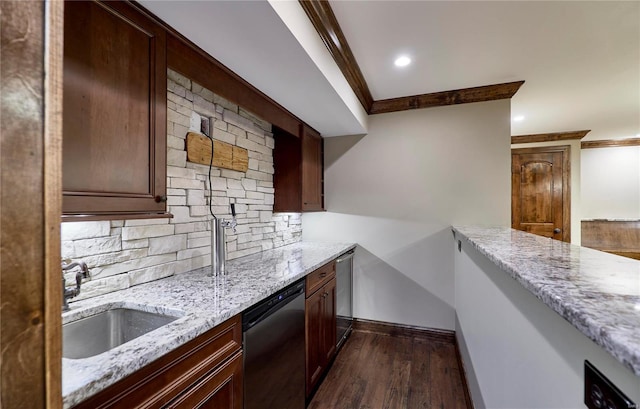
{"type": "Point", "coordinates": [319, 277]}
{"type": "Point", "coordinates": [162, 380]}
{"type": "Point", "coordinates": [220, 389]}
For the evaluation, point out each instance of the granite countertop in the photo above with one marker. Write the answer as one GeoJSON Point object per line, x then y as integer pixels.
{"type": "Point", "coordinates": [598, 293]}
{"type": "Point", "coordinates": [200, 301]}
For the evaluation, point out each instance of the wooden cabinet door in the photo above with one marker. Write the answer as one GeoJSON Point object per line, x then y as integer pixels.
{"type": "Point", "coordinates": [114, 123]}
{"type": "Point", "coordinates": [298, 178]}
{"type": "Point", "coordinates": [313, 323]}
{"type": "Point", "coordinates": [320, 313]}
{"type": "Point", "coordinates": [328, 321]}
{"type": "Point", "coordinates": [312, 171]}
{"type": "Point", "coordinates": [540, 191]}
{"type": "Point", "coordinates": [287, 162]}
{"type": "Point", "coordinates": [221, 389]}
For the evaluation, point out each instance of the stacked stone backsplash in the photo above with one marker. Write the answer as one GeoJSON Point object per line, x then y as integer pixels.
{"type": "Point", "coordinates": [124, 253]}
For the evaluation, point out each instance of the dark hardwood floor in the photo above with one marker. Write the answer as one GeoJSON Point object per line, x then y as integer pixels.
{"type": "Point", "coordinates": [378, 369]}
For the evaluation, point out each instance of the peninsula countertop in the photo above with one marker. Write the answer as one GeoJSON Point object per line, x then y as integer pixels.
{"type": "Point", "coordinates": [598, 293]}
{"type": "Point", "coordinates": [200, 300]}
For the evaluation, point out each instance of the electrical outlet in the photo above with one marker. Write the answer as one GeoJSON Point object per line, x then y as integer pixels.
{"type": "Point", "coordinates": [600, 393]}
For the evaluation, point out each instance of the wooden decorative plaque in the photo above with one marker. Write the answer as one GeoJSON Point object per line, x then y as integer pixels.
{"type": "Point", "coordinates": [225, 155]}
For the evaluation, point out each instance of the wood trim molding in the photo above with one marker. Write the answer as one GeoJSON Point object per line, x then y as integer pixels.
{"type": "Point", "coordinates": [324, 20]}
{"type": "Point", "coordinates": [463, 373]}
{"type": "Point", "coordinates": [459, 96]}
{"type": "Point", "coordinates": [610, 143]}
{"type": "Point", "coordinates": [387, 328]}
{"type": "Point", "coordinates": [53, 131]}
{"type": "Point", "coordinates": [549, 137]}
{"type": "Point", "coordinates": [30, 204]}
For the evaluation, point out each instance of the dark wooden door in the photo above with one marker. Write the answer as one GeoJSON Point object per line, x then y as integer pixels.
{"type": "Point", "coordinates": [221, 389]}
{"type": "Point", "coordinates": [312, 171]}
{"type": "Point", "coordinates": [313, 318]}
{"type": "Point", "coordinates": [540, 191]}
{"type": "Point", "coordinates": [114, 125]}
{"type": "Point", "coordinates": [329, 321]}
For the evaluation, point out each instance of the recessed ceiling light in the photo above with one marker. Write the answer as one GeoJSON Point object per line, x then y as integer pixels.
{"type": "Point", "coordinates": [402, 61]}
{"type": "Point", "coordinates": [518, 118]}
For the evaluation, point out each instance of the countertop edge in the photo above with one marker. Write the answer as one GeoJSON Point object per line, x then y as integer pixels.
{"type": "Point", "coordinates": [569, 311]}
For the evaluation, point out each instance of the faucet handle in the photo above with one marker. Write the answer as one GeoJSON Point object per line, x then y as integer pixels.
{"type": "Point", "coordinates": [85, 269]}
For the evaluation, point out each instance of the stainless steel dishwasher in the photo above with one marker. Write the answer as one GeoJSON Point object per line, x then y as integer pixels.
{"type": "Point", "coordinates": [274, 351]}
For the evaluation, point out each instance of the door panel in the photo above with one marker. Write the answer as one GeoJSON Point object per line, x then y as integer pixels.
{"type": "Point", "coordinates": [536, 192]}
{"type": "Point", "coordinates": [115, 95]}
{"type": "Point", "coordinates": [540, 191]}
{"type": "Point", "coordinates": [311, 170]}
{"type": "Point", "coordinates": [313, 315]}
{"type": "Point", "coordinates": [221, 389]}
{"type": "Point", "coordinates": [329, 321]}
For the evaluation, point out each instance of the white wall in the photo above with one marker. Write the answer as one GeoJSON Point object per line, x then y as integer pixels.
{"type": "Point", "coordinates": [611, 183]}
{"type": "Point", "coordinates": [517, 352]}
{"type": "Point", "coordinates": [576, 194]}
{"type": "Point", "coordinates": [397, 191]}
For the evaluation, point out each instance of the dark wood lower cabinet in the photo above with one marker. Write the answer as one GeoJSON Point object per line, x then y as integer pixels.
{"type": "Point", "coordinates": [206, 370]}
{"type": "Point", "coordinates": [329, 321]}
{"type": "Point", "coordinates": [320, 317]}
{"type": "Point", "coordinates": [221, 389]}
{"type": "Point", "coordinates": [313, 312]}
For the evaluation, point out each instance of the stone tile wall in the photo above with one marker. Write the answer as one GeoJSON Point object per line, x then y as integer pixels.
{"type": "Point", "coordinates": [124, 253]}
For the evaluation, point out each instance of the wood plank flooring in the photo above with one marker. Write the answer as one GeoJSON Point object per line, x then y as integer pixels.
{"type": "Point", "coordinates": [383, 370]}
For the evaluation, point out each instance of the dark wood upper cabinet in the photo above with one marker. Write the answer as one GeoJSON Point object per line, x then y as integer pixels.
{"type": "Point", "coordinates": [298, 178]}
{"type": "Point", "coordinates": [114, 124]}
{"type": "Point", "coordinates": [312, 171]}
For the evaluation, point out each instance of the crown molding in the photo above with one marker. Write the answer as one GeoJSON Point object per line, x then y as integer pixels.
{"type": "Point", "coordinates": [610, 143]}
{"type": "Point", "coordinates": [321, 15]}
{"type": "Point", "coordinates": [324, 20]}
{"type": "Point", "coordinates": [549, 137]}
{"type": "Point", "coordinates": [458, 96]}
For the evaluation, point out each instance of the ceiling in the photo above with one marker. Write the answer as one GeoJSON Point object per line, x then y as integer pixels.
{"type": "Point", "coordinates": [580, 60]}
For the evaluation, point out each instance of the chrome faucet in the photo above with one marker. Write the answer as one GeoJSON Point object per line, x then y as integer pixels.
{"type": "Point", "coordinates": [218, 242]}
{"type": "Point", "coordinates": [68, 293]}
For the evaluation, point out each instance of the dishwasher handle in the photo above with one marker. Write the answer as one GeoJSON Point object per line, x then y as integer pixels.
{"type": "Point", "coordinates": [267, 308]}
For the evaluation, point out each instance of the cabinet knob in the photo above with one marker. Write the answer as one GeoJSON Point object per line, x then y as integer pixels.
{"type": "Point", "coordinates": [323, 274]}
{"type": "Point", "coordinates": [556, 230]}
{"type": "Point", "coordinates": [160, 199]}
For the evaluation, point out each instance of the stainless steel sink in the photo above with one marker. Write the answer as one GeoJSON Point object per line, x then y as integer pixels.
{"type": "Point", "coordinates": [99, 333]}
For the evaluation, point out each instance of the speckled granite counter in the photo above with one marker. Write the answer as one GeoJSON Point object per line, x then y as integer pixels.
{"type": "Point", "coordinates": [201, 302]}
{"type": "Point", "coordinates": [598, 293]}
